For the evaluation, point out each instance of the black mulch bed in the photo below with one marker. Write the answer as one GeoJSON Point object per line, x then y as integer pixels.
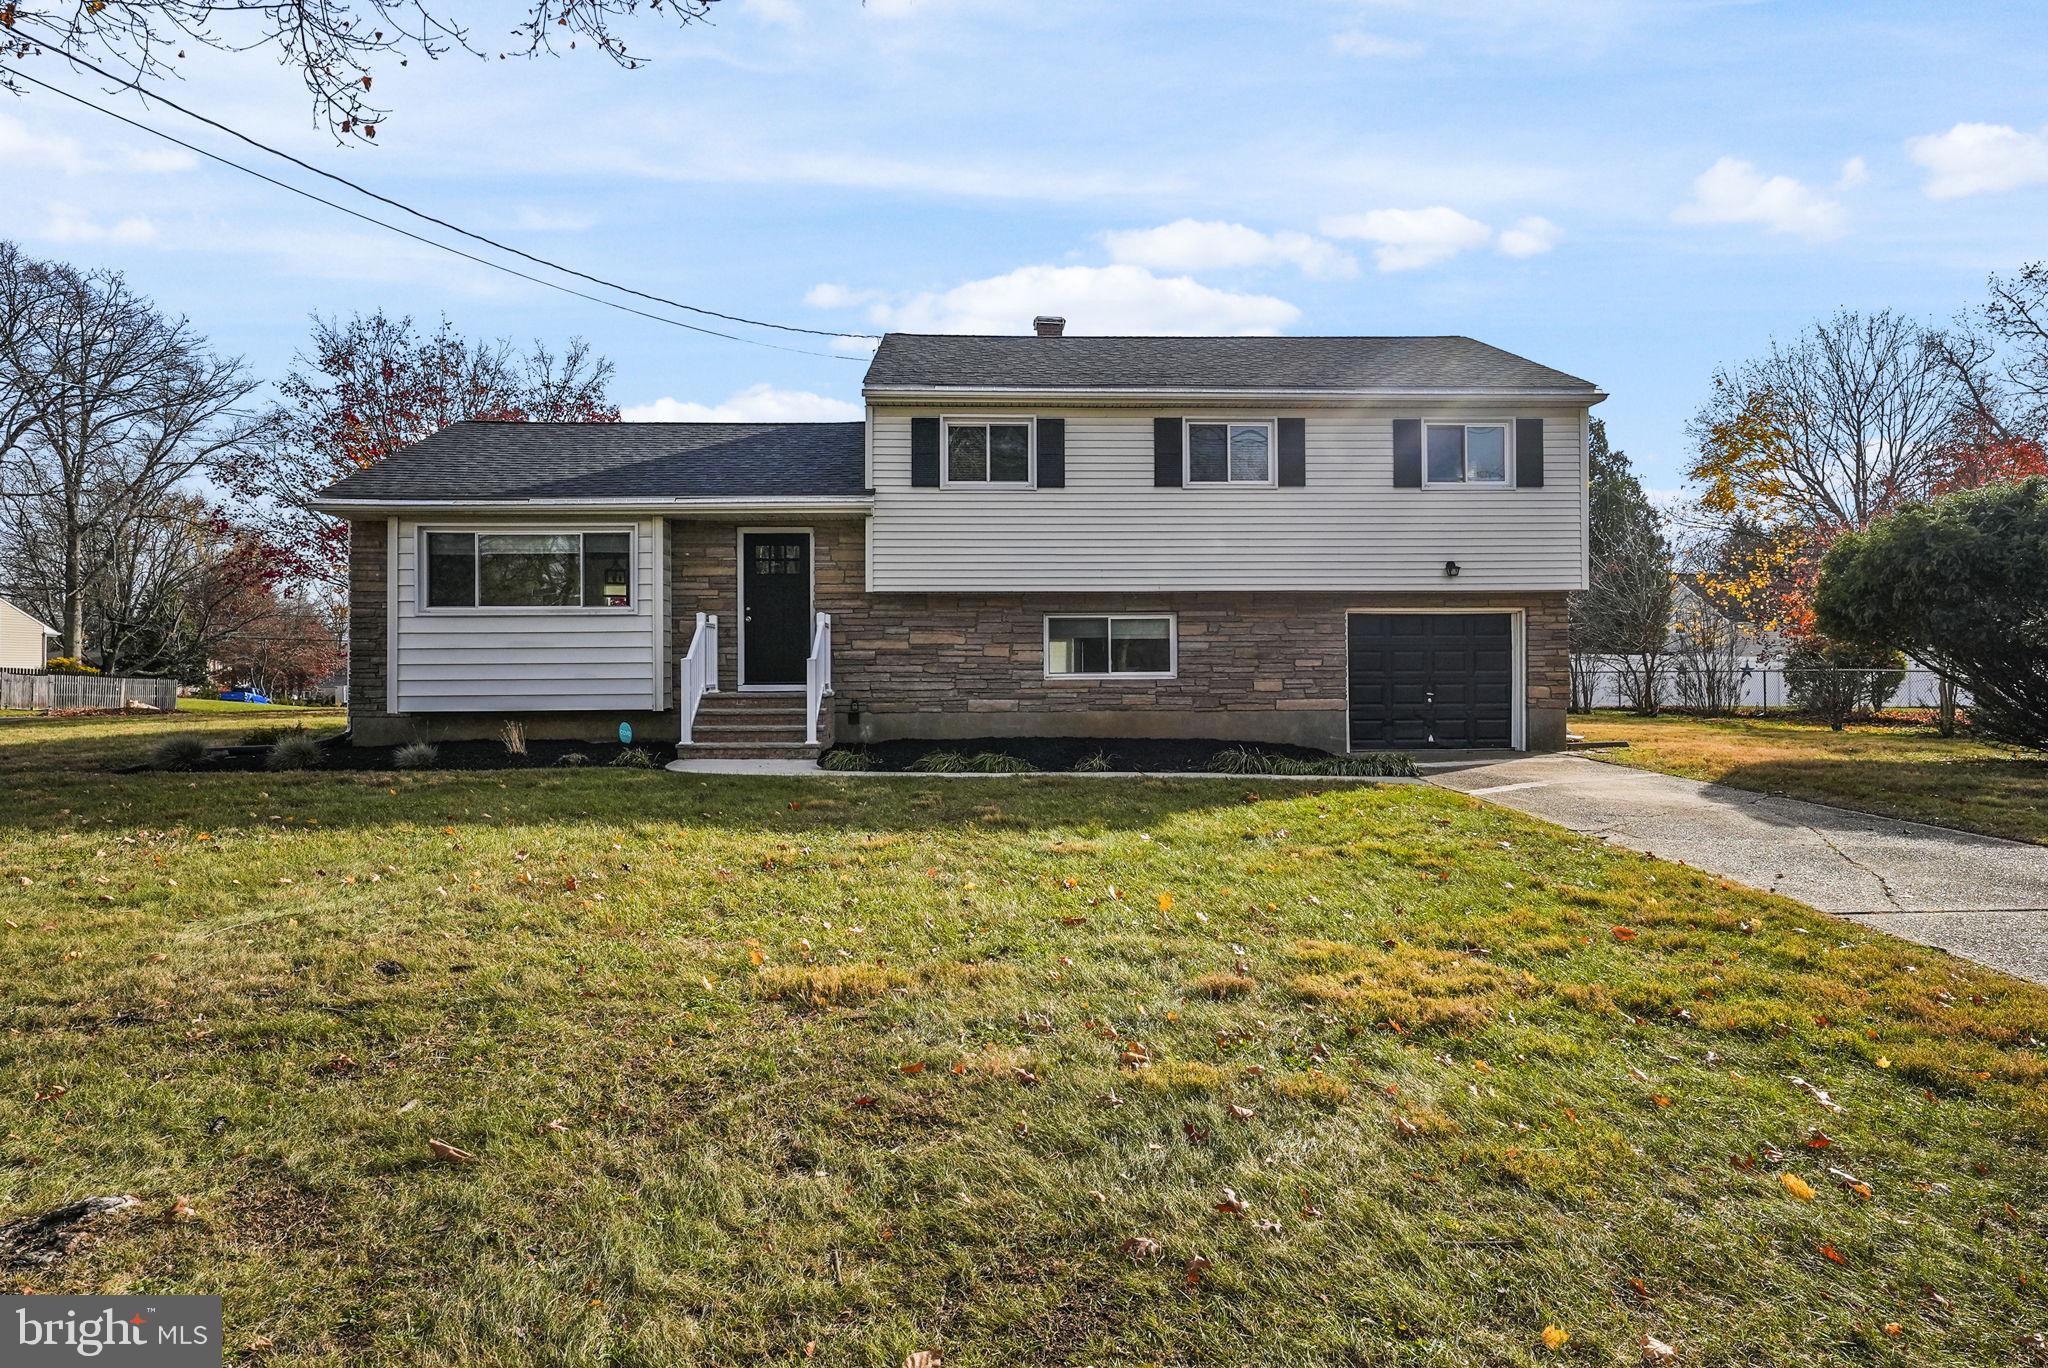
{"type": "Point", "coordinates": [339, 756]}
{"type": "Point", "coordinates": [1056, 753]}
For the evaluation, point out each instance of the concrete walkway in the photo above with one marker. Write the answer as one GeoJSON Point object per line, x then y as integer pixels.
{"type": "Point", "coordinates": [1976, 896]}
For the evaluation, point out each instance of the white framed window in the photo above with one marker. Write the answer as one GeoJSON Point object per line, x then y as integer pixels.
{"type": "Point", "coordinates": [1218, 451]}
{"type": "Point", "coordinates": [993, 452]}
{"type": "Point", "coordinates": [526, 568]}
{"type": "Point", "coordinates": [1476, 453]}
{"type": "Point", "coordinates": [1111, 646]}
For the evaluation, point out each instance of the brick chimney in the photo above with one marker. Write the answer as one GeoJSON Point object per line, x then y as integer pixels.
{"type": "Point", "coordinates": [1045, 325]}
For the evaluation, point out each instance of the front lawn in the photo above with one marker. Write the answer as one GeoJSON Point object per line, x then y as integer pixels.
{"type": "Point", "coordinates": [1040, 1071]}
{"type": "Point", "coordinates": [1891, 769]}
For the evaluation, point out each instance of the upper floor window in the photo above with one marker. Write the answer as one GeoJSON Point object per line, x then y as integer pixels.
{"type": "Point", "coordinates": [1467, 453]}
{"type": "Point", "coordinates": [988, 451]}
{"type": "Point", "coordinates": [1222, 453]}
{"type": "Point", "coordinates": [529, 569]}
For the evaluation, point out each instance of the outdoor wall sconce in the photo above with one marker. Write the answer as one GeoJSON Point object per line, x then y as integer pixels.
{"type": "Point", "coordinates": [1451, 570]}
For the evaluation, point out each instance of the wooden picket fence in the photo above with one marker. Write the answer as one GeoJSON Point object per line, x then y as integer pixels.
{"type": "Point", "coordinates": [48, 692]}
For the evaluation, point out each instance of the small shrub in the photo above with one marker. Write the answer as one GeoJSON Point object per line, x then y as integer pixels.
{"type": "Point", "coordinates": [995, 762]}
{"type": "Point", "coordinates": [178, 753]}
{"type": "Point", "coordinates": [417, 755]}
{"type": "Point", "coordinates": [293, 753]}
{"type": "Point", "coordinates": [267, 736]}
{"type": "Point", "coordinates": [1839, 680]}
{"type": "Point", "coordinates": [1368, 765]}
{"type": "Point", "coordinates": [940, 762]}
{"type": "Point", "coordinates": [1098, 763]}
{"type": "Point", "coordinates": [572, 758]}
{"type": "Point", "coordinates": [846, 758]}
{"type": "Point", "coordinates": [512, 736]}
{"type": "Point", "coordinates": [68, 665]}
{"type": "Point", "coordinates": [633, 757]}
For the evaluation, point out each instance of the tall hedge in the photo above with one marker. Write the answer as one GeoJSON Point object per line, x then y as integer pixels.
{"type": "Point", "coordinates": [1960, 583]}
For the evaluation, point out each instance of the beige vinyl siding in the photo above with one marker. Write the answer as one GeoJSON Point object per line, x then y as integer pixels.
{"type": "Point", "coordinates": [508, 660]}
{"type": "Point", "coordinates": [1349, 528]}
{"type": "Point", "coordinates": [24, 644]}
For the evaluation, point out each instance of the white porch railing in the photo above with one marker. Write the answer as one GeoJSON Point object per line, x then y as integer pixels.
{"type": "Point", "coordinates": [699, 671]}
{"type": "Point", "coordinates": [817, 676]}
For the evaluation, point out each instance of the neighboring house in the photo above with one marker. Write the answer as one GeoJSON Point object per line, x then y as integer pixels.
{"type": "Point", "coordinates": [24, 639]}
{"type": "Point", "coordinates": [1341, 542]}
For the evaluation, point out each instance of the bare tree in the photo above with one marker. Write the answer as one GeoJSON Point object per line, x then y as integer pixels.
{"type": "Point", "coordinates": [335, 46]}
{"type": "Point", "coordinates": [1706, 648]}
{"type": "Point", "coordinates": [1825, 432]}
{"type": "Point", "coordinates": [1622, 621]}
{"type": "Point", "coordinates": [109, 406]}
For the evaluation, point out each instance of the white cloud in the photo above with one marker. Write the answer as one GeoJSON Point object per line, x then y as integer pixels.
{"type": "Point", "coordinates": [761, 403]}
{"type": "Point", "coordinates": [1412, 238]}
{"type": "Point", "coordinates": [23, 148]}
{"type": "Point", "coordinates": [827, 295]}
{"type": "Point", "coordinates": [1353, 43]}
{"type": "Point", "coordinates": [1977, 159]}
{"type": "Point", "coordinates": [1734, 191]}
{"type": "Point", "coordinates": [69, 224]}
{"type": "Point", "coordinates": [1531, 236]}
{"type": "Point", "coordinates": [1098, 300]}
{"type": "Point", "coordinates": [1193, 245]}
{"type": "Point", "coordinates": [1855, 171]}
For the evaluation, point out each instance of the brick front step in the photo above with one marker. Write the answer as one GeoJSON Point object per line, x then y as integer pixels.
{"type": "Point", "coordinates": [747, 750]}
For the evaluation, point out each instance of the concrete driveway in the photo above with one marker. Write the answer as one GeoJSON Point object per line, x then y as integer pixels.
{"type": "Point", "coordinates": [1976, 896]}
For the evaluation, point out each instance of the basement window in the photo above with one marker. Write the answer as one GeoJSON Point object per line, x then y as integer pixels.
{"type": "Point", "coordinates": [1115, 646]}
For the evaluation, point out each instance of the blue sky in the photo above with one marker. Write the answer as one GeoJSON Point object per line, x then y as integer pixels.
{"type": "Point", "coordinates": [1632, 190]}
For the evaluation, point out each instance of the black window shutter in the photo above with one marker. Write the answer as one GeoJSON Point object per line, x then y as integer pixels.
{"type": "Point", "coordinates": [1052, 453]}
{"type": "Point", "coordinates": [1293, 451]}
{"type": "Point", "coordinates": [924, 453]}
{"type": "Point", "coordinates": [1529, 453]}
{"type": "Point", "coordinates": [1408, 453]}
{"type": "Point", "coordinates": [1166, 452]}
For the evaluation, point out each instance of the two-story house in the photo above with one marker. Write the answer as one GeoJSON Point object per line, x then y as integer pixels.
{"type": "Point", "coordinates": [1342, 542]}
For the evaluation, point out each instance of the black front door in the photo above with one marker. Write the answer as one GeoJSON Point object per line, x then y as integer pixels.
{"type": "Point", "coordinates": [1422, 680]}
{"type": "Point", "coordinates": [775, 607]}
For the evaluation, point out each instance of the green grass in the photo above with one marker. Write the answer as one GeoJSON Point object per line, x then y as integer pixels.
{"type": "Point", "coordinates": [216, 705]}
{"type": "Point", "coordinates": [1892, 770]}
{"type": "Point", "coordinates": [749, 1065]}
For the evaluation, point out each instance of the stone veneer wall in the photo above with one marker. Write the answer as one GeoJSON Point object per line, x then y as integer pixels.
{"type": "Point", "coordinates": [1263, 667]}
{"type": "Point", "coordinates": [369, 657]}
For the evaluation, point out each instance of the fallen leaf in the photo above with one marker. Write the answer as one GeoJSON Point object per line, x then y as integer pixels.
{"type": "Point", "coordinates": [1624, 933]}
{"type": "Point", "coordinates": [1195, 1266]}
{"type": "Point", "coordinates": [1554, 1338]}
{"type": "Point", "coordinates": [923, 1358]}
{"type": "Point", "coordinates": [1241, 1113]}
{"type": "Point", "coordinates": [443, 1150]}
{"type": "Point", "coordinates": [1140, 1247]}
{"type": "Point", "coordinates": [1656, 1350]}
{"type": "Point", "coordinates": [1797, 1186]}
{"type": "Point", "coordinates": [1405, 1128]}
{"type": "Point", "coordinates": [1828, 1252]}
{"type": "Point", "coordinates": [916, 1068]}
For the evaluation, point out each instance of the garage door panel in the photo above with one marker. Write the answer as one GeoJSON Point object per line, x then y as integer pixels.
{"type": "Point", "coordinates": [1423, 680]}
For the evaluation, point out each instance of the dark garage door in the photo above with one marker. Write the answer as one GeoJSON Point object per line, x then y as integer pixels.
{"type": "Point", "coordinates": [1421, 680]}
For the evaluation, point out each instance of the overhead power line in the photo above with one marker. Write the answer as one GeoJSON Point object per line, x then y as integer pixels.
{"type": "Point", "coordinates": [445, 247]}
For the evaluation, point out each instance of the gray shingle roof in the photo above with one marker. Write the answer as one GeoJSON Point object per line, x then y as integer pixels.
{"type": "Point", "coordinates": [490, 460]}
{"type": "Point", "coordinates": [1208, 363]}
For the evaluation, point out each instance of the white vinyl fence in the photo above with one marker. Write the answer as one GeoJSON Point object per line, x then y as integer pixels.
{"type": "Point", "coordinates": [44, 692]}
{"type": "Point", "coordinates": [1749, 686]}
